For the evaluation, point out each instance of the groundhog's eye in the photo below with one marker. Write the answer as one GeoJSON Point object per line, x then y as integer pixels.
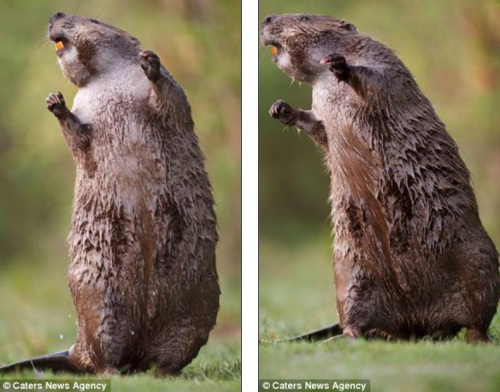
{"type": "Point", "coordinates": [305, 18]}
{"type": "Point", "coordinates": [95, 21]}
{"type": "Point", "coordinates": [350, 27]}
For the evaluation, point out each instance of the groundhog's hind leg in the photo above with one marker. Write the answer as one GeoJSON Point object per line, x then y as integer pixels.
{"type": "Point", "coordinates": [91, 357]}
{"type": "Point", "coordinates": [361, 303]}
{"type": "Point", "coordinates": [104, 323]}
{"type": "Point", "coordinates": [358, 316]}
{"type": "Point", "coordinates": [479, 291]}
{"type": "Point", "coordinates": [176, 349]}
{"type": "Point", "coordinates": [475, 336]}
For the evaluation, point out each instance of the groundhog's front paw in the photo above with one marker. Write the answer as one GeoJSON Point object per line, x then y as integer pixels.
{"type": "Point", "coordinates": [338, 65]}
{"type": "Point", "coordinates": [283, 112]}
{"type": "Point", "coordinates": [56, 104]}
{"type": "Point", "coordinates": [150, 63]}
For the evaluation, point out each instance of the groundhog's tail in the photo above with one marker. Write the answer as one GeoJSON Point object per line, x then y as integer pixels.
{"type": "Point", "coordinates": [320, 334]}
{"type": "Point", "coordinates": [56, 362]}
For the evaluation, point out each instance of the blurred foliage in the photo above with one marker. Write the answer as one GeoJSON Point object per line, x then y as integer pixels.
{"type": "Point", "coordinates": [197, 40]}
{"type": "Point", "coordinates": [452, 47]}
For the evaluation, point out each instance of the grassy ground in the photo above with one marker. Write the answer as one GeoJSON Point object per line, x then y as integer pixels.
{"type": "Point", "coordinates": [37, 317]}
{"type": "Point", "coordinates": [297, 295]}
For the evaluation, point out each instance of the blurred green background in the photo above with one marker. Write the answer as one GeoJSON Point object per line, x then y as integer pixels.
{"type": "Point", "coordinates": [452, 47]}
{"type": "Point", "coordinates": [199, 41]}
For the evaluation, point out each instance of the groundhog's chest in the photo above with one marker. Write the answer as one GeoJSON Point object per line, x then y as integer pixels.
{"type": "Point", "coordinates": [122, 123]}
{"type": "Point", "coordinates": [113, 106]}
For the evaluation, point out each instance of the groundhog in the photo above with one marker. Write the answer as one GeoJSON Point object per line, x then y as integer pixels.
{"type": "Point", "coordinates": [411, 257]}
{"type": "Point", "coordinates": [142, 268]}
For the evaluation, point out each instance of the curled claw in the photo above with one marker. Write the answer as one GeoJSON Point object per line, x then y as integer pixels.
{"type": "Point", "coordinates": [333, 59]}
{"type": "Point", "coordinates": [55, 99]}
{"type": "Point", "coordinates": [337, 65]}
{"type": "Point", "coordinates": [283, 112]}
{"type": "Point", "coordinates": [278, 109]}
{"type": "Point", "coordinates": [150, 63]}
{"type": "Point", "coordinates": [56, 104]}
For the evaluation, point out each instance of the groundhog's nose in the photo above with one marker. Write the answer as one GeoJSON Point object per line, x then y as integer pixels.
{"type": "Point", "coordinates": [56, 16]}
{"type": "Point", "coordinates": [269, 19]}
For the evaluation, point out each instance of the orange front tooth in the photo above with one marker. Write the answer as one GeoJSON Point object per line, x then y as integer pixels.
{"type": "Point", "coordinates": [59, 45]}
{"type": "Point", "coordinates": [274, 50]}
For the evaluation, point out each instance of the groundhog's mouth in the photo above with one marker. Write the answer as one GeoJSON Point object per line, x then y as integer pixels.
{"type": "Point", "coordinates": [59, 45]}
{"type": "Point", "coordinates": [59, 42]}
{"type": "Point", "coordinates": [275, 47]}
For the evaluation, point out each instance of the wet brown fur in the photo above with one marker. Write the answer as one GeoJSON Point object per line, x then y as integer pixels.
{"type": "Point", "coordinates": [411, 257]}
{"type": "Point", "coordinates": [142, 244]}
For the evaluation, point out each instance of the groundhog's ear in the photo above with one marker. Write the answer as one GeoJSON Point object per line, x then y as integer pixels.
{"type": "Point", "coordinates": [349, 27]}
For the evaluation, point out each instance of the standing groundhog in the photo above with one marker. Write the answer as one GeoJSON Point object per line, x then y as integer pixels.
{"type": "Point", "coordinates": [142, 244]}
{"type": "Point", "coordinates": [411, 257]}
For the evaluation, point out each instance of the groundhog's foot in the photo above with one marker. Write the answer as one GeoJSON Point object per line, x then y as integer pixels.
{"type": "Point", "coordinates": [337, 65]}
{"type": "Point", "coordinates": [110, 371]}
{"type": "Point", "coordinates": [56, 104]}
{"type": "Point", "coordinates": [475, 337]}
{"type": "Point", "coordinates": [150, 63]}
{"type": "Point", "coordinates": [166, 372]}
{"type": "Point", "coordinates": [352, 333]}
{"type": "Point", "coordinates": [283, 112]}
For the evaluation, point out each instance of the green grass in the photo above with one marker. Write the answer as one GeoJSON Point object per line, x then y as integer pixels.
{"type": "Point", "coordinates": [296, 295]}
{"type": "Point", "coordinates": [37, 317]}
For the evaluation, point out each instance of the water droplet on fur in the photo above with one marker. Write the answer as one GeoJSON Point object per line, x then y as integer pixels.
{"type": "Point", "coordinates": [132, 333]}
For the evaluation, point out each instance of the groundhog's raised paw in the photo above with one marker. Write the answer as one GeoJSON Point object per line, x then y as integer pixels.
{"type": "Point", "coordinates": [283, 112]}
{"type": "Point", "coordinates": [56, 104]}
{"type": "Point", "coordinates": [338, 65]}
{"type": "Point", "coordinates": [150, 63]}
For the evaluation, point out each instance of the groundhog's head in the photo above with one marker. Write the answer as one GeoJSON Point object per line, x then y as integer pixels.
{"type": "Point", "coordinates": [299, 42]}
{"type": "Point", "coordinates": [87, 48]}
